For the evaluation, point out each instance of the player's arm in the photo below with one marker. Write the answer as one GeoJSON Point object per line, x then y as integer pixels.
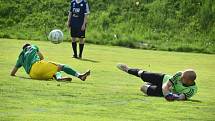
{"type": "Point", "coordinates": [40, 55]}
{"type": "Point", "coordinates": [166, 88]}
{"type": "Point", "coordinates": [87, 12]}
{"type": "Point", "coordinates": [85, 22]}
{"type": "Point", "coordinates": [169, 95]}
{"type": "Point", "coordinates": [181, 97]}
{"type": "Point", "coordinates": [69, 19]}
{"type": "Point", "coordinates": [17, 66]}
{"type": "Point", "coordinates": [172, 97]}
{"type": "Point", "coordinates": [14, 70]}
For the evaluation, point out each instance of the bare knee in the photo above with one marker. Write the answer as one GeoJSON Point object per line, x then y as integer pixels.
{"type": "Point", "coordinates": [144, 88]}
{"type": "Point", "coordinates": [60, 67]}
{"type": "Point", "coordinates": [81, 41]}
{"type": "Point", "coordinates": [73, 39]}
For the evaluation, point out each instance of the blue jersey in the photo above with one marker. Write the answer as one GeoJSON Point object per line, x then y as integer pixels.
{"type": "Point", "coordinates": [78, 11]}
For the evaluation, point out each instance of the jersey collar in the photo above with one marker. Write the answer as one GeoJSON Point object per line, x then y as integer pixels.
{"type": "Point", "coordinates": [78, 1]}
{"type": "Point", "coordinates": [189, 85]}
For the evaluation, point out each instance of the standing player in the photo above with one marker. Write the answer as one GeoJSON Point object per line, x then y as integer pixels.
{"type": "Point", "coordinates": [34, 64]}
{"type": "Point", "coordinates": [181, 86]}
{"type": "Point", "coordinates": [77, 20]}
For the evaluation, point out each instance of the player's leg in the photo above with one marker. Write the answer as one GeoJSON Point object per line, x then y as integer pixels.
{"type": "Point", "coordinates": [127, 69]}
{"type": "Point", "coordinates": [153, 78]}
{"type": "Point", "coordinates": [58, 77]}
{"type": "Point", "coordinates": [43, 70]}
{"type": "Point", "coordinates": [81, 47]}
{"type": "Point", "coordinates": [74, 47]}
{"type": "Point", "coordinates": [70, 71]}
{"type": "Point", "coordinates": [153, 87]}
{"type": "Point", "coordinates": [81, 44]}
{"type": "Point", "coordinates": [144, 88]}
{"type": "Point", "coordinates": [73, 33]}
{"type": "Point", "coordinates": [152, 90]}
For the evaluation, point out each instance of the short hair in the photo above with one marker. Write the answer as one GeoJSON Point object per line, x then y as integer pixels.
{"type": "Point", "coordinates": [191, 74]}
{"type": "Point", "coordinates": [26, 45]}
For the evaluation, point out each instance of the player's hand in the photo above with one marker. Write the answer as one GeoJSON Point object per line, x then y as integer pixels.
{"type": "Point", "coordinates": [83, 27]}
{"type": "Point", "coordinates": [171, 97]}
{"type": "Point", "coordinates": [68, 24]}
{"type": "Point", "coordinates": [12, 75]}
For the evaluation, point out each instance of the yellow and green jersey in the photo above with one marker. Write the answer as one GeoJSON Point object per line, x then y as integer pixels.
{"type": "Point", "coordinates": [178, 87]}
{"type": "Point", "coordinates": [28, 57]}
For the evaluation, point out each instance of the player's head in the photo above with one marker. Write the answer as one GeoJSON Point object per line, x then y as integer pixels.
{"type": "Point", "coordinates": [26, 45]}
{"type": "Point", "coordinates": [189, 76]}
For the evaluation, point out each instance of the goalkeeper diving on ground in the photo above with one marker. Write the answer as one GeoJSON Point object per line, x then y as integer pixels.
{"type": "Point", "coordinates": [181, 86]}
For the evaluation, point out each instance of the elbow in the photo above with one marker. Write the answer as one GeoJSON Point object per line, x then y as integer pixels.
{"type": "Point", "coordinates": [165, 90]}
{"type": "Point", "coordinates": [164, 87]}
{"type": "Point", "coordinates": [41, 57]}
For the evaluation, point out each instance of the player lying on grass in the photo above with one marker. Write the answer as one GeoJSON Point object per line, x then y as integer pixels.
{"type": "Point", "coordinates": [181, 86]}
{"type": "Point", "coordinates": [34, 64]}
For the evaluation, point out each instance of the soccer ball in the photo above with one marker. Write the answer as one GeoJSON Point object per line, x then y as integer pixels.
{"type": "Point", "coordinates": [56, 36]}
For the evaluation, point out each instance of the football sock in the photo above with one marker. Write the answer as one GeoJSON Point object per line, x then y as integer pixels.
{"type": "Point", "coordinates": [74, 47]}
{"type": "Point", "coordinates": [70, 71]}
{"type": "Point", "coordinates": [58, 75]}
{"type": "Point", "coordinates": [134, 72]}
{"type": "Point", "coordinates": [81, 47]}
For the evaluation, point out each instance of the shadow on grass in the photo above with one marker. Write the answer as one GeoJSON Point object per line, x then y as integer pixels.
{"type": "Point", "coordinates": [196, 101]}
{"type": "Point", "coordinates": [77, 82]}
{"type": "Point", "coordinates": [189, 100]}
{"type": "Point", "coordinates": [89, 60]}
{"type": "Point", "coordinates": [22, 77]}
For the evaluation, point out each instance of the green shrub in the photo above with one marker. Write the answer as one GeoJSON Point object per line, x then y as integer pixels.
{"type": "Point", "coordinates": [149, 24]}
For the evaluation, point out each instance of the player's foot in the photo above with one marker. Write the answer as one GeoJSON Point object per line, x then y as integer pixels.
{"type": "Point", "coordinates": [80, 57]}
{"type": "Point", "coordinates": [75, 56]}
{"type": "Point", "coordinates": [84, 75]}
{"type": "Point", "coordinates": [122, 67]}
{"type": "Point", "coordinates": [65, 79]}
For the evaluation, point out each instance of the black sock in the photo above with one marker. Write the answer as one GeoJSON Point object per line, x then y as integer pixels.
{"type": "Point", "coordinates": [74, 47]}
{"type": "Point", "coordinates": [134, 72]}
{"type": "Point", "coordinates": [81, 47]}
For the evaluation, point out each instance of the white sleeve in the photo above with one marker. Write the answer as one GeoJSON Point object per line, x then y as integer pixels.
{"type": "Point", "coordinates": [87, 9]}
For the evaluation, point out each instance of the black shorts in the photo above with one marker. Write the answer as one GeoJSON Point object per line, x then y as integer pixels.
{"type": "Point", "coordinates": [77, 32]}
{"type": "Point", "coordinates": [155, 81]}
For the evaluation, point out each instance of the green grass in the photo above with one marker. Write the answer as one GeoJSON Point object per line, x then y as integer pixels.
{"type": "Point", "coordinates": [108, 94]}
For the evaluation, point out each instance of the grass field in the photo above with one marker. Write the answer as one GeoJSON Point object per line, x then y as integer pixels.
{"type": "Point", "coordinates": [109, 94]}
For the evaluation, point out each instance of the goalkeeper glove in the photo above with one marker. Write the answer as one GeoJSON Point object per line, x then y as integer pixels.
{"type": "Point", "coordinates": [171, 97]}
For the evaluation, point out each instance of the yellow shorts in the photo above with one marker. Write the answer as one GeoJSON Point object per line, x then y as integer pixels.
{"type": "Point", "coordinates": [43, 70]}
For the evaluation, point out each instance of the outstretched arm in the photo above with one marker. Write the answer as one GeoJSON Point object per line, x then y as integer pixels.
{"type": "Point", "coordinates": [13, 72]}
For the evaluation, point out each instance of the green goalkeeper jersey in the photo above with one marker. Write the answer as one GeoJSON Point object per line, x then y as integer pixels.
{"type": "Point", "coordinates": [28, 57]}
{"type": "Point", "coordinates": [178, 87]}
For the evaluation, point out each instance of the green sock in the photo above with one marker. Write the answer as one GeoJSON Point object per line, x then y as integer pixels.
{"type": "Point", "coordinates": [58, 75]}
{"type": "Point", "coordinates": [70, 71]}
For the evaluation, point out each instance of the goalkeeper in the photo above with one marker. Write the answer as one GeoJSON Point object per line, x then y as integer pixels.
{"type": "Point", "coordinates": [34, 64]}
{"type": "Point", "coordinates": [181, 86]}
